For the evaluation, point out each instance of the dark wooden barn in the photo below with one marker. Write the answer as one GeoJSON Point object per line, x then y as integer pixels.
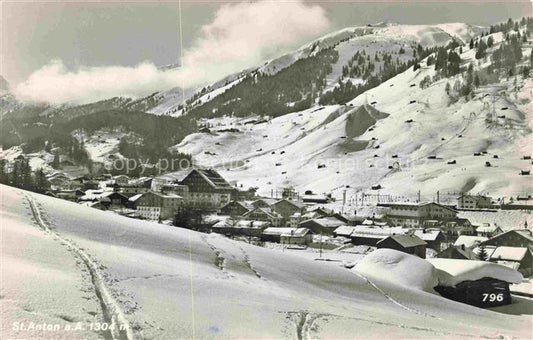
{"type": "Point", "coordinates": [409, 244]}
{"type": "Point", "coordinates": [486, 292]}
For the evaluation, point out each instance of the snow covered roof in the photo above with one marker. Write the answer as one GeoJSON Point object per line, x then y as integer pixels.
{"type": "Point", "coordinates": [267, 201]}
{"type": "Point", "coordinates": [374, 232]}
{"type": "Point", "coordinates": [487, 229]}
{"type": "Point", "coordinates": [406, 241]}
{"type": "Point", "coordinates": [135, 197]}
{"type": "Point", "coordinates": [279, 231]}
{"type": "Point", "coordinates": [297, 204]}
{"type": "Point", "coordinates": [266, 211]}
{"type": "Point", "coordinates": [469, 270]}
{"type": "Point", "coordinates": [327, 222]}
{"type": "Point", "coordinates": [509, 253]}
{"type": "Point", "coordinates": [427, 235]}
{"type": "Point", "coordinates": [344, 230]}
{"type": "Point", "coordinates": [296, 232]}
{"type": "Point", "coordinates": [240, 224]}
{"type": "Point", "coordinates": [469, 241]}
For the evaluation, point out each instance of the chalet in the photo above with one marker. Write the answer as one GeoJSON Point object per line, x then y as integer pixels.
{"type": "Point", "coordinates": [466, 201]}
{"type": "Point", "coordinates": [299, 236]}
{"type": "Point", "coordinates": [264, 214]}
{"type": "Point", "coordinates": [121, 179]}
{"type": "Point", "coordinates": [414, 214]}
{"type": "Point", "coordinates": [518, 258]}
{"type": "Point", "coordinates": [433, 237]}
{"type": "Point", "coordinates": [457, 252]}
{"type": "Point", "coordinates": [321, 211]}
{"type": "Point", "coordinates": [156, 206]}
{"type": "Point", "coordinates": [324, 225]}
{"type": "Point", "coordinates": [287, 208]}
{"type": "Point", "coordinates": [263, 202]}
{"type": "Point", "coordinates": [457, 227]}
{"type": "Point", "coordinates": [410, 244]}
{"type": "Point", "coordinates": [489, 291]}
{"type": "Point", "coordinates": [207, 189]}
{"type": "Point", "coordinates": [235, 208]}
{"type": "Point", "coordinates": [288, 235]}
{"type": "Point", "coordinates": [344, 231]}
{"type": "Point", "coordinates": [512, 238]}
{"type": "Point", "coordinates": [488, 230]}
{"type": "Point", "coordinates": [240, 227]}
{"type": "Point", "coordinates": [294, 220]}
{"type": "Point", "coordinates": [59, 181]}
{"type": "Point", "coordinates": [113, 200]}
{"type": "Point", "coordinates": [371, 235]}
{"type": "Point", "coordinates": [70, 195]}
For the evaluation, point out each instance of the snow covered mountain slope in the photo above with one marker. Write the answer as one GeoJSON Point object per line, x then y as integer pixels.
{"type": "Point", "coordinates": [172, 283]}
{"type": "Point", "coordinates": [399, 135]}
{"type": "Point", "coordinates": [383, 37]}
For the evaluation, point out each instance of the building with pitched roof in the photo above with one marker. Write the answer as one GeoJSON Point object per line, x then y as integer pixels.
{"type": "Point", "coordinates": [518, 258]}
{"type": "Point", "coordinates": [207, 189]}
{"type": "Point", "coordinates": [407, 243]}
{"type": "Point", "coordinates": [415, 214]}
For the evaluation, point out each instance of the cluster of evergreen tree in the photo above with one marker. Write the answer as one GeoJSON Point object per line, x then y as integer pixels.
{"type": "Point", "coordinates": [512, 25]}
{"type": "Point", "coordinates": [363, 66]}
{"type": "Point", "coordinates": [346, 90]}
{"type": "Point", "coordinates": [290, 89]}
{"type": "Point", "coordinates": [448, 63]}
{"type": "Point", "coordinates": [21, 176]}
{"type": "Point", "coordinates": [508, 55]}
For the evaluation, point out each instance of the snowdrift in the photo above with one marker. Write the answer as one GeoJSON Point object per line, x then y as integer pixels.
{"type": "Point", "coordinates": [413, 272]}
{"type": "Point", "coordinates": [400, 268]}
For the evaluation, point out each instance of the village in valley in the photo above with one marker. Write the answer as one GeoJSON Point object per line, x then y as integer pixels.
{"type": "Point", "coordinates": [318, 226]}
{"type": "Point", "coordinates": [373, 183]}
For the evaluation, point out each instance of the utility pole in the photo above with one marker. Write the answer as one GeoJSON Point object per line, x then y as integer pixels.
{"type": "Point", "coordinates": [320, 245]}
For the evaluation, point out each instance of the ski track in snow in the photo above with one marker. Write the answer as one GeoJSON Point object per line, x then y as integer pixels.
{"type": "Point", "coordinates": [393, 300]}
{"type": "Point", "coordinates": [306, 323]}
{"type": "Point", "coordinates": [249, 264]}
{"type": "Point", "coordinates": [220, 261]}
{"type": "Point", "coordinates": [119, 327]}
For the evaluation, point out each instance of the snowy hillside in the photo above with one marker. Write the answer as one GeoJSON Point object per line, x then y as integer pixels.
{"type": "Point", "coordinates": [385, 38]}
{"type": "Point", "coordinates": [76, 265]}
{"type": "Point", "coordinates": [399, 135]}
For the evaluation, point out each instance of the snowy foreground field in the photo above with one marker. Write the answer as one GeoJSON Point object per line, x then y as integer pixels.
{"type": "Point", "coordinates": [67, 265]}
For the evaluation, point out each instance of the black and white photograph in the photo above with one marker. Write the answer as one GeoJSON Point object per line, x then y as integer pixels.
{"type": "Point", "coordinates": [266, 169]}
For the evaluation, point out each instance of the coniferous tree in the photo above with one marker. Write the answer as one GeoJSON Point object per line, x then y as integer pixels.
{"type": "Point", "coordinates": [41, 183]}
{"type": "Point", "coordinates": [481, 50]}
{"type": "Point", "coordinates": [482, 254]}
{"type": "Point", "coordinates": [490, 41]}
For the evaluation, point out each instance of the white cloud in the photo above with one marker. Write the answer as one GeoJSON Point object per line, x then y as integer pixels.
{"type": "Point", "coordinates": [241, 35]}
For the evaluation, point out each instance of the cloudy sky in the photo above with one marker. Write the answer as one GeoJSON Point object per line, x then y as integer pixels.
{"type": "Point", "coordinates": [87, 50]}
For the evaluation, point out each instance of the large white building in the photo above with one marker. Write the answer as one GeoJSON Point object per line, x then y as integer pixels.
{"type": "Point", "coordinates": [415, 214]}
